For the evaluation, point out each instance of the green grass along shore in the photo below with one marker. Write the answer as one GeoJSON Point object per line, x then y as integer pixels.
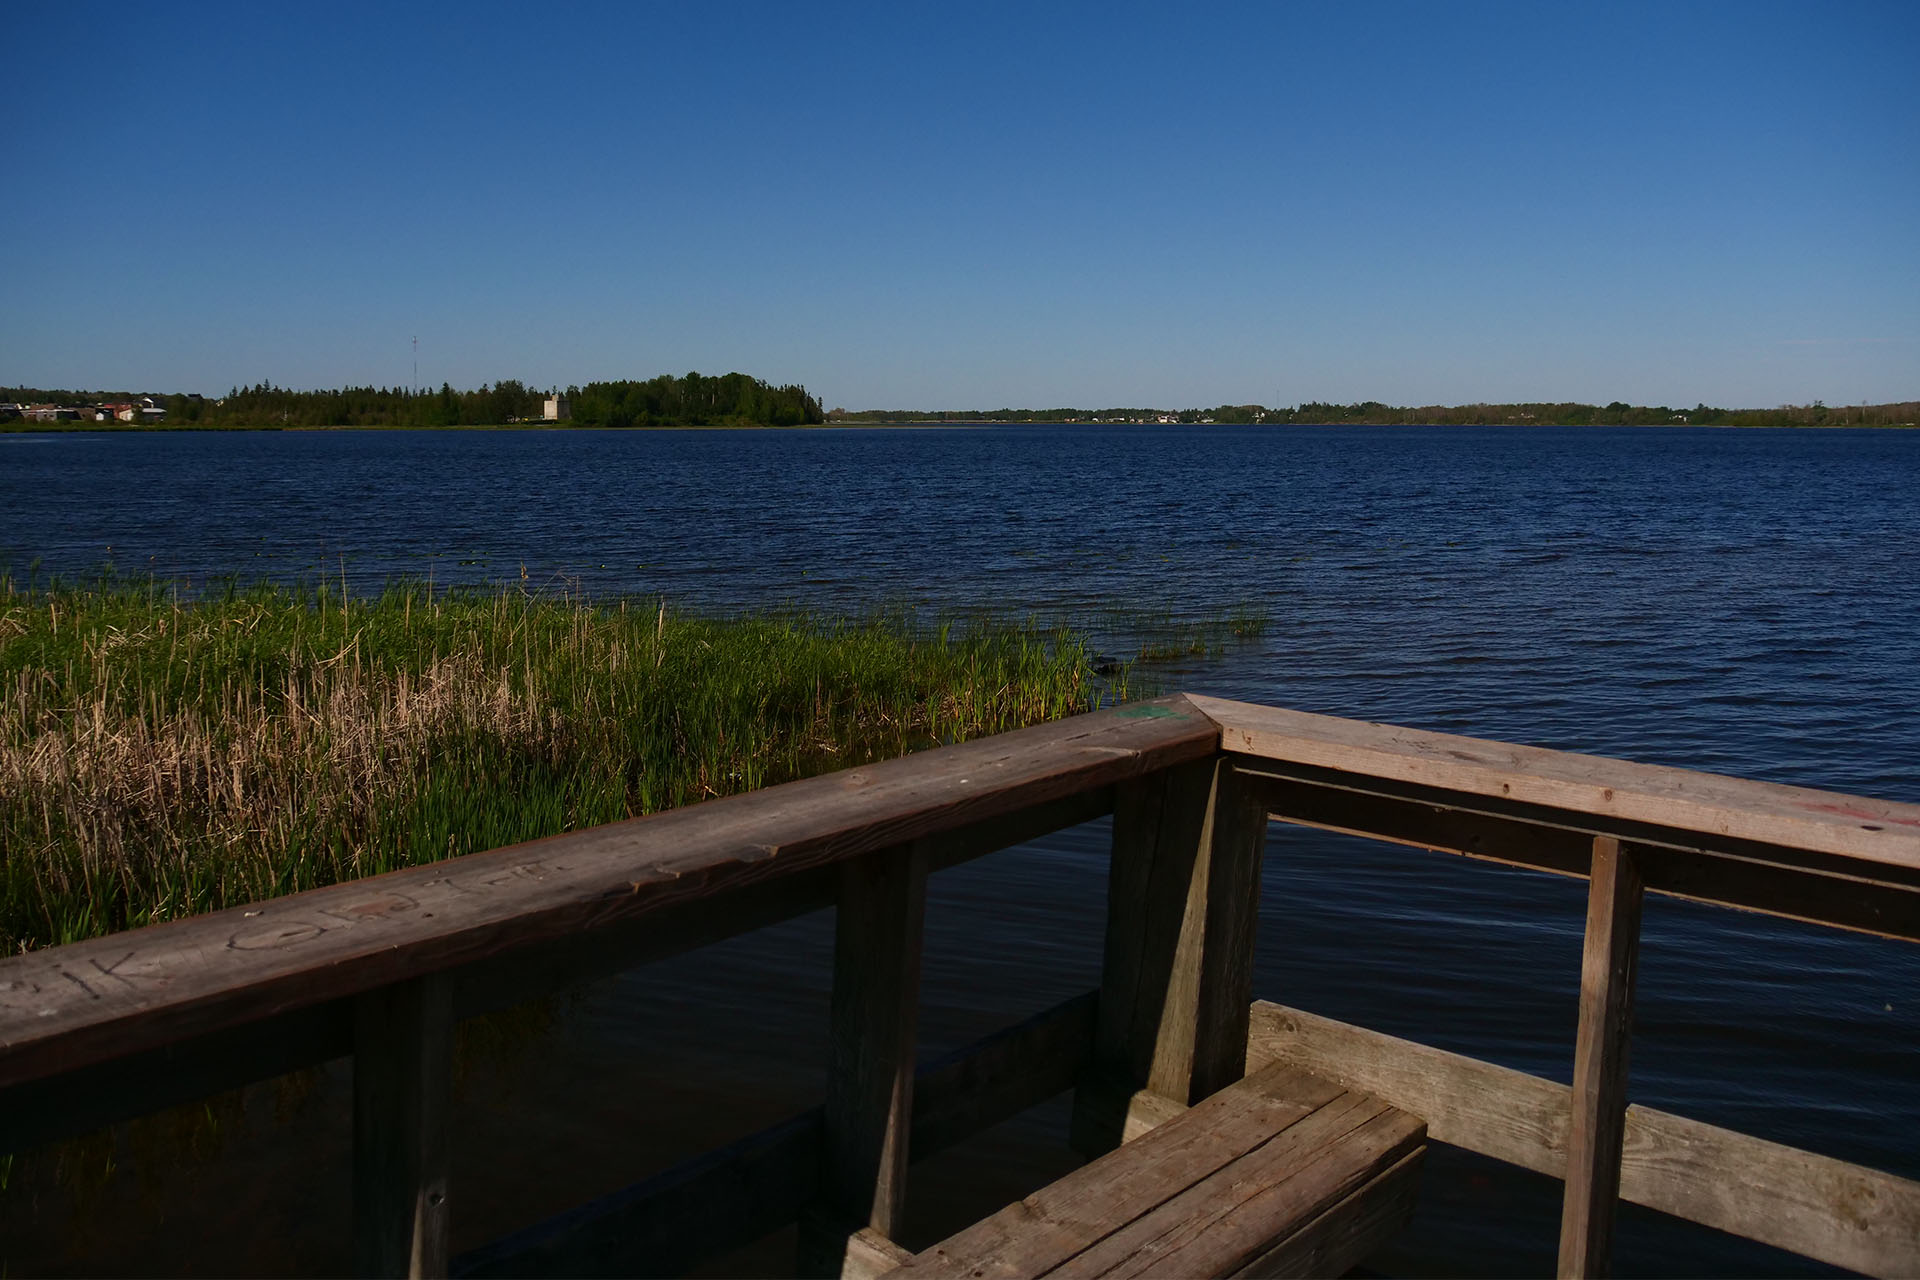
{"type": "Point", "coordinates": [162, 756]}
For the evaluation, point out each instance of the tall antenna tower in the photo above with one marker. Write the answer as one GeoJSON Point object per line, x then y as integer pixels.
{"type": "Point", "coordinates": [416, 364]}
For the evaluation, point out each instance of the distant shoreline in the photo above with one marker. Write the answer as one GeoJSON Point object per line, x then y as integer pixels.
{"type": "Point", "coordinates": [20, 427]}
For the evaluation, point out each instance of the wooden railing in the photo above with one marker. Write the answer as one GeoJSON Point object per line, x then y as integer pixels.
{"type": "Point", "coordinates": [382, 969]}
{"type": "Point", "coordinates": [1836, 860]}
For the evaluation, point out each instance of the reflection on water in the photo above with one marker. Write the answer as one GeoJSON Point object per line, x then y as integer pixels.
{"type": "Point", "coordinates": [1735, 601]}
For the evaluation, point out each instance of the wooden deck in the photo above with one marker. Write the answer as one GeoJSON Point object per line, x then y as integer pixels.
{"type": "Point", "coordinates": [1282, 1174]}
{"type": "Point", "coordinates": [383, 968]}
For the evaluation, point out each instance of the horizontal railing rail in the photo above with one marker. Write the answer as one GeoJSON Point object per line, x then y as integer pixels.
{"type": "Point", "coordinates": [381, 969]}
{"type": "Point", "coordinates": [1843, 1214]}
{"type": "Point", "coordinates": [1837, 860]}
{"type": "Point", "coordinates": [67, 1008]}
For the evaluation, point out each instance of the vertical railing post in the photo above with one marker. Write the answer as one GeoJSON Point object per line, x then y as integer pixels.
{"type": "Point", "coordinates": [869, 1108]}
{"type": "Point", "coordinates": [1598, 1129]}
{"type": "Point", "coordinates": [402, 1097]}
{"type": "Point", "coordinates": [1182, 908]}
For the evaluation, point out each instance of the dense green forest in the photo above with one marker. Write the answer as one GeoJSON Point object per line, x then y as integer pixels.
{"type": "Point", "coordinates": [666, 401]}
{"type": "Point", "coordinates": [1619, 413]}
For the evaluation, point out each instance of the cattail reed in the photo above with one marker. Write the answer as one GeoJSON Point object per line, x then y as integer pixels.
{"type": "Point", "coordinates": [162, 756]}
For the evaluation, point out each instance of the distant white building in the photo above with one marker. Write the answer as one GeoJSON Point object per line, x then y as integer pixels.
{"type": "Point", "coordinates": [557, 408]}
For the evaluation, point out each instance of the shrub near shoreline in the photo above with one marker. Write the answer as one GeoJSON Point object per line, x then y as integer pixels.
{"type": "Point", "coordinates": [162, 757]}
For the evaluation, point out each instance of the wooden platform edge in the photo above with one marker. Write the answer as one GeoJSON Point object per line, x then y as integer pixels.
{"type": "Point", "coordinates": [1260, 1172]}
{"type": "Point", "coordinates": [1340, 1239]}
{"type": "Point", "coordinates": [1843, 1214]}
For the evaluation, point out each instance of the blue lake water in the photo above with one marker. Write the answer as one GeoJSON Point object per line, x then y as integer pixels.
{"type": "Point", "coordinates": [1737, 601]}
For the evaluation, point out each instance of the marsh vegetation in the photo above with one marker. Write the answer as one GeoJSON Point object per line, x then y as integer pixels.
{"type": "Point", "coordinates": [164, 754]}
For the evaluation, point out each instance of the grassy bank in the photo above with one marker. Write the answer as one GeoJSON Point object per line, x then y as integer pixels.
{"type": "Point", "coordinates": [161, 757]}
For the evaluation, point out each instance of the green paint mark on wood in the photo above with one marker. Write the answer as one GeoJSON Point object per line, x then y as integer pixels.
{"type": "Point", "coordinates": [1148, 711]}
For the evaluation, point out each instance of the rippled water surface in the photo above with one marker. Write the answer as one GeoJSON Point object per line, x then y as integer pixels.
{"type": "Point", "coordinates": [1737, 601]}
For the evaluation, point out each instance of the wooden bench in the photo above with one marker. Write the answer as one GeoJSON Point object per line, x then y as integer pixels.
{"type": "Point", "coordinates": [1282, 1174]}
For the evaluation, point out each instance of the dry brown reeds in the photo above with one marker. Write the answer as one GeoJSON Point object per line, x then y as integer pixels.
{"type": "Point", "coordinates": [161, 757]}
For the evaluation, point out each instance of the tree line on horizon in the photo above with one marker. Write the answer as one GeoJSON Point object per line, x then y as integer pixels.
{"type": "Point", "coordinates": [733, 399]}
{"type": "Point", "coordinates": [1374, 413]}
{"type": "Point", "coordinates": [736, 399]}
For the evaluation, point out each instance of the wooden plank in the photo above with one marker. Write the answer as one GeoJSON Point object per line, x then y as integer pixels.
{"type": "Point", "coordinates": [532, 971]}
{"type": "Point", "coordinates": [878, 933]}
{"type": "Point", "coordinates": [402, 1107]}
{"type": "Point", "coordinates": [972, 1089]}
{"type": "Point", "coordinates": [1497, 1111]}
{"type": "Point", "coordinates": [1222, 957]}
{"type": "Point", "coordinates": [1267, 774]}
{"type": "Point", "coordinates": [68, 1007]}
{"type": "Point", "coordinates": [1599, 1098]}
{"type": "Point", "coordinates": [1736, 874]}
{"type": "Point", "coordinates": [950, 848]}
{"type": "Point", "coordinates": [1229, 1220]}
{"type": "Point", "coordinates": [675, 1221]}
{"type": "Point", "coordinates": [93, 1097]}
{"type": "Point", "coordinates": [1842, 1214]}
{"type": "Point", "coordinates": [1339, 1239]}
{"type": "Point", "coordinates": [1069, 1215]}
{"type": "Point", "coordinates": [1182, 909]}
{"type": "Point", "coordinates": [871, 1255]}
{"type": "Point", "coordinates": [64, 1106]}
{"type": "Point", "coordinates": [1857, 827]}
{"type": "Point", "coordinates": [1158, 825]}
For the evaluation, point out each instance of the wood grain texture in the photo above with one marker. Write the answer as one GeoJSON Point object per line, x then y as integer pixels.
{"type": "Point", "coordinates": [1207, 1193]}
{"type": "Point", "coordinates": [719, 1201]}
{"type": "Point", "coordinates": [869, 1108]}
{"type": "Point", "coordinates": [90, 1098]}
{"type": "Point", "coordinates": [870, 1255]}
{"type": "Point", "coordinates": [1600, 1056]}
{"type": "Point", "coordinates": [1177, 975]}
{"type": "Point", "coordinates": [1497, 1111]}
{"type": "Point", "coordinates": [1842, 1214]}
{"type": "Point", "coordinates": [972, 1089]}
{"type": "Point", "coordinates": [1244, 1212]}
{"type": "Point", "coordinates": [402, 1109]}
{"type": "Point", "coordinates": [69, 1007]}
{"type": "Point", "coordinates": [107, 1093]}
{"type": "Point", "coordinates": [1070, 1214]}
{"type": "Point", "coordinates": [1739, 875]}
{"type": "Point", "coordinates": [1223, 954]}
{"type": "Point", "coordinates": [1881, 832]}
{"type": "Point", "coordinates": [1337, 1240]}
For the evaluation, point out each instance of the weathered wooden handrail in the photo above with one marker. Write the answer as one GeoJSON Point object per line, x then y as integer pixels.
{"type": "Point", "coordinates": [1838, 860]}
{"type": "Point", "coordinates": [1832, 859]}
{"type": "Point", "coordinates": [70, 1007]}
{"type": "Point", "coordinates": [381, 968]}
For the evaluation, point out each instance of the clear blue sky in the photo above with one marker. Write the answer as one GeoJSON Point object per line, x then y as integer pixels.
{"type": "Point", "coordinates": [967, 206]}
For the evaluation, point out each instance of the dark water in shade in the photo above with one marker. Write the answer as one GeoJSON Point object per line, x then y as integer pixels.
{"type": "Point", "coordinates": [1738, 601]}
